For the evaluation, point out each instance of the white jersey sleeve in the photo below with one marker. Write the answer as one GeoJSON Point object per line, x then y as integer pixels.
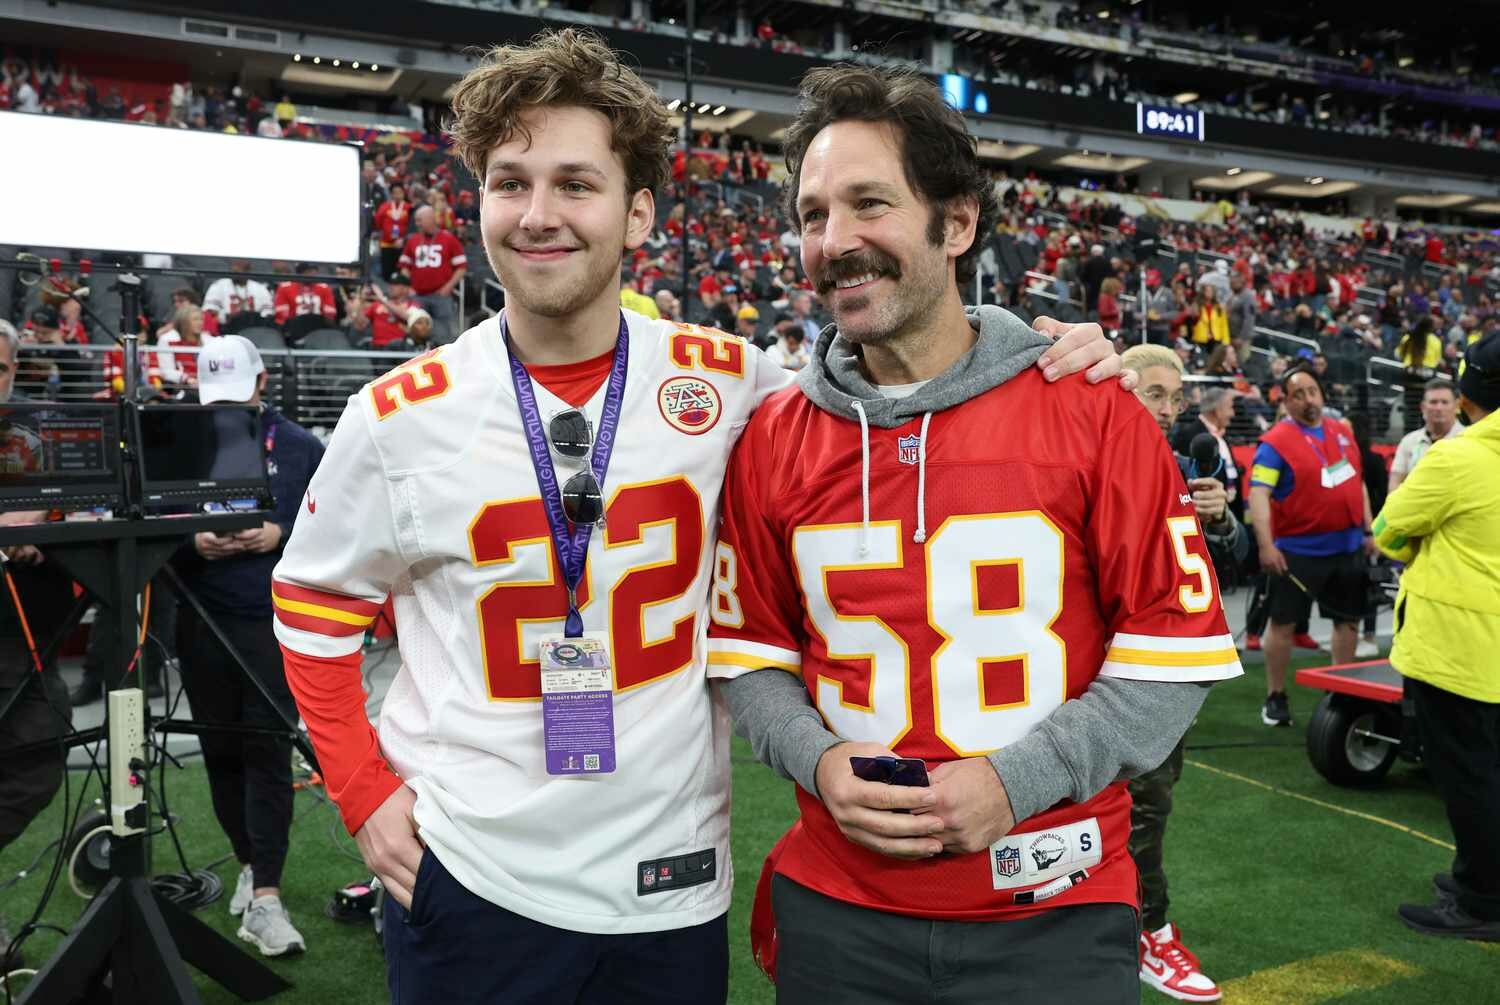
{"type": "Point", "coordinates": [343, 557]}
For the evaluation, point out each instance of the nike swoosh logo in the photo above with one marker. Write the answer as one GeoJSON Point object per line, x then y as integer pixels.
{"type": "Point", "coordinates": [1159, 969]}
{"type": "Point", "coordinates": [312, 504]}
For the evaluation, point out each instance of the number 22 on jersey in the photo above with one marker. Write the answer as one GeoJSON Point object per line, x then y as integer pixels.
{"type": "Point", "coordinates": [641, 521]}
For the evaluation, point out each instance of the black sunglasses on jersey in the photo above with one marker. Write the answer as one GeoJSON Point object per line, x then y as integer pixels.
{"type": "Point", "coordinates": [571, 436]}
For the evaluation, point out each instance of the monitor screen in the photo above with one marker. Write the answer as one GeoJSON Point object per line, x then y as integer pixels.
{"type": "Point", "coordinates": [202, 454]}
{"type": "Point", "coordinates": [59, 456]}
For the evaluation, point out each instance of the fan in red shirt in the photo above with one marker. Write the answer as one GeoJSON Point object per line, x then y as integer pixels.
{"type": "Point", "coordinates": [393, 223]}
{"type": "Point", "coordinates": [432, 257]}
{"type": "Point", "coordinates": [385, 313]}
{"type": "Point", "coordinates": [297, 298]}
{"type": "Point", "coordinates": [1030, 617]}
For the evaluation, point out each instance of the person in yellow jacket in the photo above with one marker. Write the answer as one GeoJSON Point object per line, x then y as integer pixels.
{"type": "Point", "coordinates": [1211, 323]}
{"type": "Point", "coordinates": [1444, 520]}
{"type": "Point", "coordinates": [636, 301]}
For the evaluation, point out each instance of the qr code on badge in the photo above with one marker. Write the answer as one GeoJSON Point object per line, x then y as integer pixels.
{"type": "Point", "coordinates": [590, 762]}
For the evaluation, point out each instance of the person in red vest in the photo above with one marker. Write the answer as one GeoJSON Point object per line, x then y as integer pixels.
{"type": "Point", "coordinates": [1312, 521]}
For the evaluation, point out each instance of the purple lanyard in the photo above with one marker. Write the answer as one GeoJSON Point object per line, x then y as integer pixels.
{"type": "Point", "coordinates": [571, 541]}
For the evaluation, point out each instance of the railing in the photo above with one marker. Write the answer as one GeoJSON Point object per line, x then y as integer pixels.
{"type": "Point", "coordinates": [309, 386]}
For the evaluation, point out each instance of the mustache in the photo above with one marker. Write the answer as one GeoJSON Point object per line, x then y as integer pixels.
{"type": "Point", "coordinates": [877, 262]}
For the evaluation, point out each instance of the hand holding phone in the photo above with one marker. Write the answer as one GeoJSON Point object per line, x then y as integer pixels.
{"type": "Point", "coordinates": [890, 770]}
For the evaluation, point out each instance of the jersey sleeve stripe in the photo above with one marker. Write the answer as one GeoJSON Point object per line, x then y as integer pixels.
{"type": "Point", "coordinates": [719, 646]}
{"type": "Point", "coordinates": [317, 625]}
{"type": "Point", "coordinates": [747, 662]}
{"type": "Point", "coordinates": [322, 598]}
{"type": "Point", "coordinates": [1173, 643]}
{"type": "Point", "coordinates": [1146, 657]}
{"type": "Point", "coordinates": [315, 642]}
{"type": "Point", "coordinates": [318, 612]}
{"type": "Point", "coordinates": [1171, 675]}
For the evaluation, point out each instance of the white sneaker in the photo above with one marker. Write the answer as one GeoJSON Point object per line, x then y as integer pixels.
{"type": "Point", "coordinates": [1366, 650]}
{"type": "Point", "coordinates": [244, 892]}
{"type": "Point", "coordinates": [1167, 966]}
{"type": "Point", "coordinates": [268, 927]}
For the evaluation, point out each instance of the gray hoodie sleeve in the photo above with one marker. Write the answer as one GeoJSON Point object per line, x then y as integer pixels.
{"type": "Point", "coordinates": [1116, 729]}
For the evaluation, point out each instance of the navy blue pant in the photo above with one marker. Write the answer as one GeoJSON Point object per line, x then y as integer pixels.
{"type": "Point", "coordinates": [454, 946]}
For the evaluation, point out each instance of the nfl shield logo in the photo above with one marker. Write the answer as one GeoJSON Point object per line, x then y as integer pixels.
{"type": "Point", "coordinates": [906, 449]}
{"type": "Point", "coordinates": [648, 876]}
{"type": "Point", "coordinates": [1008, 861]}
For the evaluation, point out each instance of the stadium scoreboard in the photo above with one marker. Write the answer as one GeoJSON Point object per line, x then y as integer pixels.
{"type": "Point", "coordinates": [1165, 120]}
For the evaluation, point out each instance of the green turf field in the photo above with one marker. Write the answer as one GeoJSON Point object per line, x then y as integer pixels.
{"type": "Point", "coordinates": [1287, 900]}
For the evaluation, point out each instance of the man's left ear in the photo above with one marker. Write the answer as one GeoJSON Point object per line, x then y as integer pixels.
{"type": "Point", "coordinates": [640, 219]}
{"type": "Point", "coordinates": [961, 218]}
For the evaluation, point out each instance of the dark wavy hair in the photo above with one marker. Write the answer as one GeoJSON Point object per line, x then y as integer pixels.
{"type": "Point", "coordinates": [938, 155]}
{"type": "Point", "coordinates": [568, 67]}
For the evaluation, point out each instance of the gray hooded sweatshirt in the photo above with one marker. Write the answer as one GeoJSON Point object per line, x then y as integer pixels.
{"type": "Point", "coordinates": [1116, 729]}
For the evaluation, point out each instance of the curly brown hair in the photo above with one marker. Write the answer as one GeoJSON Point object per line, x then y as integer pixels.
{"type": "Point", "coordinates": [568, 67]}
{"type": "Point", "coordinates": [939, 156]}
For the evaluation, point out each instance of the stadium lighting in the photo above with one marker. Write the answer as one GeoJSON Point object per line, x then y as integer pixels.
{"type": "Point", "coordinates": [1186, 97]}
{"type": "Point", "coordinates": [1104, 15]}
{"type": "Point", "coordinates": [354, 65]}
{"type": "Point", "coordinates": [297, 58]}
{"type": "Point", "coordinates": [374, 66]}
{"type": "Point", "coordinates": [1405, 61]}
{"type": "Point", "coordinates": [335, 62]}
{"type": "Point", "coordinates": [672, 105]}
{"type": "Point", "coordinates": [1233, 171]}
{"type": "Point", "coordinates": [1315, 180]}
{"type": "Point", "coordinates": [317, 60]}
{"type": "Point", "coordinates": [720, 110]}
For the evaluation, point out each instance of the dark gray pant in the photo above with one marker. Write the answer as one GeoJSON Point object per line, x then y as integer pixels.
{"type": "Point", "coordinates": [1151, 804]}
{"type": "Point", "coordinates": [831, 953]}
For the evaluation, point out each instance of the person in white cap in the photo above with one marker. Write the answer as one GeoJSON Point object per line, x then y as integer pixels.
{"type": "Point", "coordinates": [249, 776]}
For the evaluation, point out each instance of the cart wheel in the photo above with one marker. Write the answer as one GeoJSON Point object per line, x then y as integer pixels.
{"type": "Point", "coordinates": [91, 862]}
{"type": "Point", "coordinates": [1338, 748]}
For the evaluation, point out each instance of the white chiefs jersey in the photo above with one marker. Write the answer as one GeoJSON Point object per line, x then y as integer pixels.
{"type": "Point", "coordinates": [428, 493]}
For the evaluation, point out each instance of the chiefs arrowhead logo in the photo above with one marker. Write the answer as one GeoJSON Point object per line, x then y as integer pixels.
{"type": "Point", "coordinates": [312, 504]}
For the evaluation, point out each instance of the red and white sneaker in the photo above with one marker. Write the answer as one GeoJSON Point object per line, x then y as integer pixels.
{"type": "Point", "coordinates": [1167, 966]}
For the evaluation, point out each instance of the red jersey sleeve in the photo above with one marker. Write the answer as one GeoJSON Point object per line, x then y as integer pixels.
{"type": "Point", "coordinates": [405, 260]}
{"type": "Point", "coordinates": [325, 295]}
{"type": "Point", "coordinates": [754, 610]}
{"type": "Point", "coordinates": [457, 257]}
{"type": "Point", "coordinates": [1155, 581]}
{"type": "Point", "coordinates": [286, 301]}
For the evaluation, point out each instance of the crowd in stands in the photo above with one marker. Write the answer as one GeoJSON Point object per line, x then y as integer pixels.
{"type": "Point", "coordinates": [1211, 290]}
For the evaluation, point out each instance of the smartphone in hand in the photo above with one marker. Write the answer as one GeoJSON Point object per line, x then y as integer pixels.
{"type": "Point", "coordinates": [890, 770]}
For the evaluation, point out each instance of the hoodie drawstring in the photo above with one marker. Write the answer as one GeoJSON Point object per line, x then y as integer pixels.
{"type": "Point", "coordinates": [864, 478]}
{"type": "Point", "coordinates": [921, 535]}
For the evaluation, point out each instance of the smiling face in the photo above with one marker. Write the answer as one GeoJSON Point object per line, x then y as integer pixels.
{"type": "Point", "coordinates": [868, 241]}
{"type": "Point", "coordinates": [556, 217]}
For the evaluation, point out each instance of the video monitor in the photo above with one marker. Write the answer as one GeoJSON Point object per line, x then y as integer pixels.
{"type": "Point", "coordinates": [57, 455]}
{"type": "Point", "coordinates": [202, 457]}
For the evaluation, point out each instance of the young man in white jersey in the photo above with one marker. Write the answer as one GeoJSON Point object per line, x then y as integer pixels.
{"type": "Point", "coordinates": [547, 798]}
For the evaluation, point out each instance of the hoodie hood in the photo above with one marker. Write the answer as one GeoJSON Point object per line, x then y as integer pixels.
{"type": "Point", "coordinates": [832, 381]}
{"type": "Point", "coordinates": [1006, 346]}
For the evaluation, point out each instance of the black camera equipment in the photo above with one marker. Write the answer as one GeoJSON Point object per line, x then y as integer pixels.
{"type": "Point", "coordinates": [139, 460]}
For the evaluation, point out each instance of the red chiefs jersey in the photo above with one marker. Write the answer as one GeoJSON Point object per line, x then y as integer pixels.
{"type": "Point", "coordinates": [1053, 541]}
{"type": "Point", "coordinates": [296, 299]}
{"type": "Point", "coordinates": [431, 261]}
{"type": "Point", "coordinates": [392, 220]}
{"type": "Point", "coordinates": [385, 327]}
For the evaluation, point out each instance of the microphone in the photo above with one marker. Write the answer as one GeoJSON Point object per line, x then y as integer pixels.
{"type": "Point", "coordinates": [1205, 453]}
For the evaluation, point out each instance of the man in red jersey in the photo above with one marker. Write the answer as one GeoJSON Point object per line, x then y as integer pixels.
{"type": "Point", "coordinates": [436, 263]}
{"type": "Point", "coordinates": [296, 298]}
{"type": "Point", "coordinates": [927, 554]}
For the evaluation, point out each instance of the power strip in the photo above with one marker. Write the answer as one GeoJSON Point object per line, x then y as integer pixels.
{"type": "Point", "coordinates": [127, 760]}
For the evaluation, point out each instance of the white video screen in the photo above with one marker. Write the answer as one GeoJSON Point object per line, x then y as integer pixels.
{"type": "Point", "coordinates": [115, 186]}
